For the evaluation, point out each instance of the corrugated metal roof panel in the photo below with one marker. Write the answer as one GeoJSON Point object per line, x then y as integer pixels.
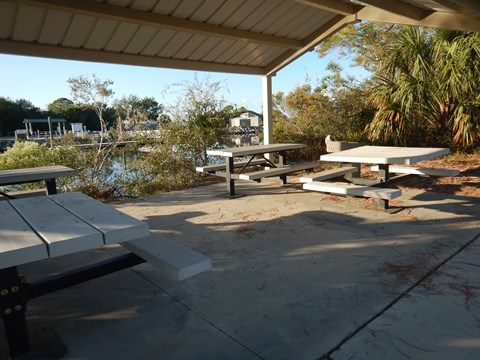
{"type": "Point", "coordinates": [140, 40]}
{"type": "Point", "coordinates": [206, 10]}
{"type": "Point", "coordinates": [225, 11]}
{"type": "Point", "coordinates": [101, 34]}
{"type": "Point", "coordinates": [212, 35]}
{"type": "Point", "coordinates": [144, 5]}
{"type": "Point", "coordinates": [244, 11]}
{"type": "Point", "coordinates": [79, 31]}
{"type": "Point", "coordinates": [175, 44]}
{"type": "Point", "coordinates": [159, 40]}
{"type": "Point", "coordinates": [208, 46]}
{"type": "Point", "coordinates": [8, 15]}
{"type": "Point", "coordinates": [219, 49]}
{"type": "Point", "coordinates": [54, 27]}
{"type": "Point", "coordinates": [29, 21]}
{"type": "Point", "coordinates": [121, 37]}
{"type": "Point", "coordinates": [195, 42]}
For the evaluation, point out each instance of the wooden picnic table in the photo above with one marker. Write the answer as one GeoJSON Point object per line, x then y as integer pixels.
{"type": "Point", "coordinates": [38, 228]}
{"type": "Point", "coordinates": [48, 174]}
{"type": "Point", "coordinates": [280, 169]}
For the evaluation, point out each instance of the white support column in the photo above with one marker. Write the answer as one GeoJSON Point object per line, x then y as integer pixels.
{"type": "Point", "coordinates": [267, 109]}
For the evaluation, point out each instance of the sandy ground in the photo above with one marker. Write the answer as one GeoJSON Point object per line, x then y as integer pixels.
{"type": "Point", "coordinates": [466, 184]}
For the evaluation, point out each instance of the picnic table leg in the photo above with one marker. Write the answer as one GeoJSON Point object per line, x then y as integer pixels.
{"type": "Point", "coordinates": [228, 176]}
{"type": "Point", "coordinates": [354, 174]}
{"type": "Point", "coordinates": [13, 305]}
{"type": "Point", "coordinates": [383, 178]}
{"type": "Point", "coordinates": [282, 161]}
{"type": "Point", "coordinates": [382, 204]}
{"type": "Point", "coordinates": [282, 158]}
{"type": "Point", "coordinates": [383, 173]}
{"type": "Point", "coordinates": [51, 186]}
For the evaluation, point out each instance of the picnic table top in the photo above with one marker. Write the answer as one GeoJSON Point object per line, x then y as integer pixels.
{"type": "Point", "coordinates": [253, 150]}
{"type": "Point", "coordinates": [385, 155]}
{"type": "Point", "coordinates": [18, 176]}
{"type": "Point", "coordinates": [43, 227]}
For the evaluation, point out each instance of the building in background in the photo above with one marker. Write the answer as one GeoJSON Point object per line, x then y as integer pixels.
{"type": "Point", "coordinates": [247, 120]}
{"type": "Point", "coordinates": [49, 123]}
{"type": "Point", "coordinates": [78, 128]}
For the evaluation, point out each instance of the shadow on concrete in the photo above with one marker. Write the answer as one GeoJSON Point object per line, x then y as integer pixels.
{"type": "Point", "coordinates": [294, 275]}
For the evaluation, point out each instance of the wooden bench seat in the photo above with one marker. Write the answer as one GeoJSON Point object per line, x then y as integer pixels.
{"type": "Point", "coordinates": [352, 189]}
{"type": "Point", "coordinates": [208, 169]}
{"type": "Point", "coordinates": [420, 170]}
{"type": "Point", "coordinates": [328, 174]}
{"type": "Point", "coordinates": [258, 175]}
{"type": "Point", "coordinates": [177, 261]}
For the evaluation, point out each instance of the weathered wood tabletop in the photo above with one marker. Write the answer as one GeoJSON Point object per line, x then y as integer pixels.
{"type": "Point", "coordinates": [48, 174]}
{"type": "Point", "coordinates": [20, 176]}
{"type": "Point", "coordinates": [37, 228]}
{"type": "Point", "coordinates": [252, 151]}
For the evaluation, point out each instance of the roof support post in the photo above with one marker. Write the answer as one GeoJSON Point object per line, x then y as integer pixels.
{"type": "Point", "coordinates": [267, 109]}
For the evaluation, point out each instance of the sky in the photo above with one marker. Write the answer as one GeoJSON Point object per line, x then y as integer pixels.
{"type": "Point", "coordinates": [41, 80]}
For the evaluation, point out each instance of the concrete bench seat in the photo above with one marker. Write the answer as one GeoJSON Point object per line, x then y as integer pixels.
{"type": "Point", "coordinates": [208, 169]}
{"type": "Point", "coordinates": [177, 261]}
{"type": "Point", "coordinates": [287, 169]}
{"type": "Point", "coordinates": [420, 170]}
{"type": "Point", "coordinates": [353, 190]}
{"type": "Point", "coordinates": [336, 146]}
{"type": "Point", "coordinates": [328, 174]}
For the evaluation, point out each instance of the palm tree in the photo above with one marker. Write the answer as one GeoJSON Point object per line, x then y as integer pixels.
{"type": "Point", "coordinates": [427, 91]}
{"type": "Point", "coordinates": [458, 58]}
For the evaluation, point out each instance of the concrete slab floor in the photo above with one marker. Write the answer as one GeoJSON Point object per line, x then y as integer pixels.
{"type": "Point", "coordinates": [295, 274]}
{"type": "Point", "coordinates": [438, 319]}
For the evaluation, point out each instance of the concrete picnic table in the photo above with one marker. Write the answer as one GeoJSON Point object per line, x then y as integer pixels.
{"type": "Point", "coordinates": [383, 157]}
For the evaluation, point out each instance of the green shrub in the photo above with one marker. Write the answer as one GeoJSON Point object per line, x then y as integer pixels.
{"type": "Point", "coordinates": [27, 154]}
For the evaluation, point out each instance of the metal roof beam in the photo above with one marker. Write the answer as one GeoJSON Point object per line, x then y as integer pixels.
{"type": "Point", "coordinates": [397, 7]}
{"type": "Point", "coordinates": [472, 5]}
{"type": "Point", "coordinates": [118, 13]}
{"type": "Point", "coordinates": [335, 6]}
{"type": "Point", "coordinates": [68, 53]}
{"type": "Point", "coordinates": [452, 5]}
{"type": "Point", "coordinates": [445, 20]}
{"type": "Point", "coordinates": [330, 28]}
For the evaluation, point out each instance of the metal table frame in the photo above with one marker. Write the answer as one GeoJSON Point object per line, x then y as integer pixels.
{"type": "Point", "coordinates": [251, 151]}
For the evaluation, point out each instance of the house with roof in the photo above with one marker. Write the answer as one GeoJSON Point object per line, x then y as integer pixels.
{"type": "Point", "coordinates": [247, 119]}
